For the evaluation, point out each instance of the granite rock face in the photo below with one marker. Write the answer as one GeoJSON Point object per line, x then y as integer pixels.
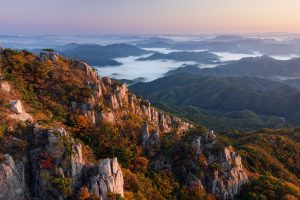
{"type": "Point", "coordinates": [220, 171]}
{"type": "Point", "coordinates": [12, 187]}
{"type": "Point", "coordinates": [226, 181]}
{"type": "Point", "coordinates": [150, 141]}
{"type": "Point", "coordinates": [108, 178]}
{"type": "Point", "coordinates": [54, 159]}
{"type": "Point", "coordinates": [232, 170]}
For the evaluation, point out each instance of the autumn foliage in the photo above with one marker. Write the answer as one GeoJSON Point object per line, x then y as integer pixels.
{"type": "Point", "coordinates": [46, 160]}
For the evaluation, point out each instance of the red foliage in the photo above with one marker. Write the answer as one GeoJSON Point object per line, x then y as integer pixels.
{"type": "Point", "coordinates": [46, 161]}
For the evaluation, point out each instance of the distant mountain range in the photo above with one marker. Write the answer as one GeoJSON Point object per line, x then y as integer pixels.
{"type": "Point", "coordinates": [99, 55]}
{"type": "Point", "coordinates": [287, 71]}
{"type": "Point", "coordinates": [259, 101]}
{"type": "Point", "coordinates": [228, 43]}
{"type": "Point", "coordinates": [200, 57]}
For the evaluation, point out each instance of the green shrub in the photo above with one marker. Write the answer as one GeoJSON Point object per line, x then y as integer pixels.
{"type": "Point", "coordinates": [63, 185]}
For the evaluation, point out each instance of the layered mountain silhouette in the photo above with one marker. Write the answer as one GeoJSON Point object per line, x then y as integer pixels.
{"type": "Point", "coordinates": [100, 55]}
{"type": "Point", "coordinates": [264, 66]}
{"type": "Point", "coordinates": [200, 57]}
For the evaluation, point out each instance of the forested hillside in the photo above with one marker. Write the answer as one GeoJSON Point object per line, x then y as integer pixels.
{"type": "Point", "coordinates": [67, 133]}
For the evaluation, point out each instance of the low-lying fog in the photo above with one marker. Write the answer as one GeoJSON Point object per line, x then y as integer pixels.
{"type": "Point", "coordinates": [132, 69]}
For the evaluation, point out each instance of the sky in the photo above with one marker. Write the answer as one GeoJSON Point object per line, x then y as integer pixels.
{"type": "Point", "coordinates": [148, 16]}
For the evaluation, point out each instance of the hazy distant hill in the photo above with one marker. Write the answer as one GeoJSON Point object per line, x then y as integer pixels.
{"type": "Point", "coordinates": [200, 57]}
{"type": "Point", "coordinates": [263, 66]}
{"type": "Point", "coordinates": [230, 43]}
{"type": "Point", "coordinates": [157, 42]}
{"type": "Point", "coordinates": [100, 55]}
{"type": "Point", "coordinates": [197, 96]}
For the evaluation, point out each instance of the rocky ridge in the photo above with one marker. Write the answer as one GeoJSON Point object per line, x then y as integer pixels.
{"type": "Point", "coordinates": [54, 169]}
{"type": "Point", "coordinates": [117, 100]}
{"type": "Point", "coordinates": [53, 166]}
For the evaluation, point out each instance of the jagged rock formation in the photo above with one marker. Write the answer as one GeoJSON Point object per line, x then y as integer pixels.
{"type": "Point", "coordinates": [232, 170]}
{"type": "Point", "coordinates": [227, 176]}
{"type": "Point", "coordinates": [117, 99]}
{"type": "Point", "coordinates": [108, 178]}
{"type": "Point", "coordinates": [222, 170]}
{"type": "Point", "coordinates": [65, 163]}
{"type": "Point", "coordinates": [149, 140]}
{"type": "Point", "coordinates": [56, 170]}
{"type": "Point", "coordinates": [52, 164]}
{"type": "Point", "coordinates": [45, 55]}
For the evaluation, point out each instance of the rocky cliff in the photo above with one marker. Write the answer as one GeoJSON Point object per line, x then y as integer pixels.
{"type": "Point", "coordinates": [117, 100]}
{"type": "Point", "coordinates": [199, 162]}
{"type": "Point", "coordinates": [70, 132]}
{"type": "Point", "coordinates": [54, 168]}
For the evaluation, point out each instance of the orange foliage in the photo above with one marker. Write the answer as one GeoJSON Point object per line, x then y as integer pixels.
{"type": "Point", "coordinates": [81, 121]}
{"type": "Point", "coordinates": [83, 193]}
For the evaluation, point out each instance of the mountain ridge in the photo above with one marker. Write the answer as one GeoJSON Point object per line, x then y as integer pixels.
{"type": "Point", "coordinates": [78, 113]}
{"type": "Point", "coordinates": [222, 95]}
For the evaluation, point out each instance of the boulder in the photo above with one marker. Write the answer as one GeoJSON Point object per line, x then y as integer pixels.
{"type": "Point", "coordinates": [5, 87]}
{"type": "Point", "coordinates": [20, 114]}
{"type": "Point", "coordinates": [16, 106]}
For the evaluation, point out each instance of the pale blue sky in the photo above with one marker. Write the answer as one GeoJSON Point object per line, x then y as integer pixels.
{"type": "Point", "coordinates": [148, 16]}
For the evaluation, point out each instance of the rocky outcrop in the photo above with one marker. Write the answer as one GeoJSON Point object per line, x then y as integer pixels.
{"type": "Point", "coordinates": [20, 114]}
{"type": "Point", "coordinates": [226, 181]}
{"type": "Point", "coordinates": [108, 178]}
{"type": "Point", "coordinates": [202, 166]}
{"type": "Point", "coordinates": [107, 81]}
{"type": "Point", "coordinates": [45, 55]}
{"type": "Point", "coordinates": [16, 106]}
{"type": "Point", "coordinates": [12, 187]}
{"type": "Point", "coordinates": [112, 101]}
{"type": "Point", "coordinates": [145, 135]}
{"type": "Point", "coordinates": [150, 141]}
{"type": "Point", "coordinates": [56, 170]}
{"type": "Point", "coordinates": [232, 169]}
{"type": "Point", "coordinates": [77, 164]}
{"type": "Point", "coordinates": [50, 162]}
{"type": "Point", "coordinates": [115, 99]}
{"type": "Point", "coordinates": [107, 116]}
